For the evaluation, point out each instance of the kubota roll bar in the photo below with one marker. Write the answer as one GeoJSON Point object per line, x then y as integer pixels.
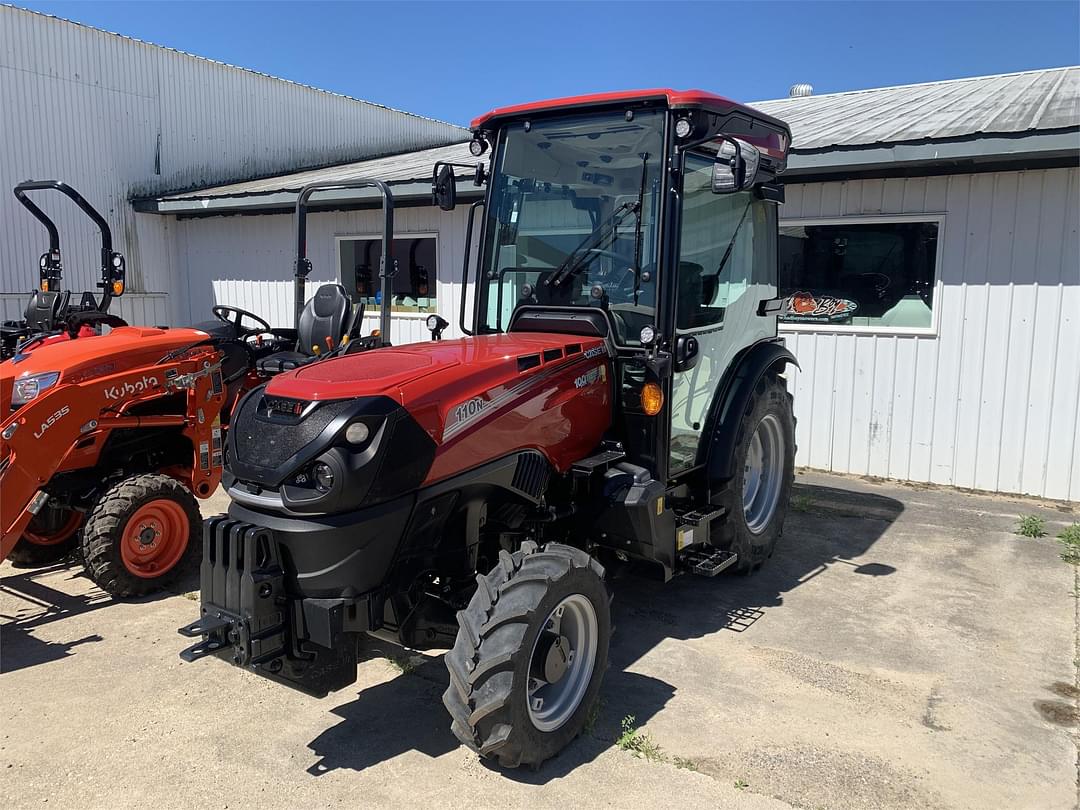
{"type": "Point", "coordinates": [387, 265]}
{"type": "Point", "coordinates": [51, 268]}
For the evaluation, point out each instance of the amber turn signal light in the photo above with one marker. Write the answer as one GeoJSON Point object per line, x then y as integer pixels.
{"type": "Point", "coordinates": [118, 288]}
{"type": "Point", "coordinates": [652, 399]}
{"type": "Point", "coordinates": [44, 286]}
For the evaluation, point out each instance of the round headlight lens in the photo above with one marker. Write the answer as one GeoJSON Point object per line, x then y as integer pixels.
{"type": "Point", "coordinates": [324, 477]}
{"type": "Point", "coordinates": [432, 322]}
{"type": "Point", "coordinates": [477, 147]}
{"type": "Point", "coordinates": [647, 336]}
{"type": "Point", "coordinates": [357, 433]}
{"type": "Point", "coordinates": [683, 127]}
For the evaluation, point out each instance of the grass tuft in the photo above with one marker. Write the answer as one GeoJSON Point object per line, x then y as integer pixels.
{"type": "Point", "coordinates": [741, 785]}
{"type": "Point", "coordinates": [638, 743]}
{"type": "Point", "coordinates": [1070, 544]}
{"type": "Point", "coordinates": [802, 503]}
{"type": "Point", "coordinates": [1031, 526]}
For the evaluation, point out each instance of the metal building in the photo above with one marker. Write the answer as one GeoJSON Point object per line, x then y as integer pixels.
{"type": "Point", "coordinates": [953, 205]}
{"type": "Point", "coordinates": [118, 118]}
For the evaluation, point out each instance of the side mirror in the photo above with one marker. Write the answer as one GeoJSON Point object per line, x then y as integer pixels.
{"type": "Point", "coordinates": [444, 187]}
{"type": "Point", "coordinates": [736, 167]}
{"type": "Point", "coordinates": [686, 352]}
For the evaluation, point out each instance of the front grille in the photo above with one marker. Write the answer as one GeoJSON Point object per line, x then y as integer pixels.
{"type": "Point", "coordinates": [267, 443]}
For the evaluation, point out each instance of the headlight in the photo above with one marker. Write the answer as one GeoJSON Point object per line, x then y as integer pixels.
{"type": "Point", "coordinates": [357, 433]}
{"type": "Point", "coordinates": [324, 476]}
{"type": "Point", "coordinates": [29, 387]}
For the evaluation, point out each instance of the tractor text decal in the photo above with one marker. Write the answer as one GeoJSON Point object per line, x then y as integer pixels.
{"type": "Point", "coordinates": [128, 388]}
{"type": "Point", "coordinates": [807, 307]}
{"type": "Point", "coordinates": [589, 377]}
{"type": "Point", "coordinates": [52, 420]}
{"type": "Point", "coordinates": [469, 408]}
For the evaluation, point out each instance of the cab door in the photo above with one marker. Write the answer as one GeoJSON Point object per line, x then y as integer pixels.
{"type": "Point", "coordinates": [726, 265]}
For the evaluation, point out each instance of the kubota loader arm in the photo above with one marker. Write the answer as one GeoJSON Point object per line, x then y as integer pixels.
{"type": "Point", "coordinates": [36, 440]}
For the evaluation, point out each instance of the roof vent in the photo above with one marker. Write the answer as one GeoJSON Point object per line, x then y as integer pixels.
{"type": "Point", "coordinates": [801, 90]}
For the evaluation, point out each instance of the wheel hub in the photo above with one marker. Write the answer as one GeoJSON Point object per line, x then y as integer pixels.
{"type": "Point", "coordinates": [555, 660]}
{"type": "Point", "coordinates": [148, 534]}
{"type": "Point", "coordinates": [562, 662]}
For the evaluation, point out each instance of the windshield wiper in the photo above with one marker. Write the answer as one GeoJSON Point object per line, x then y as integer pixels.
{"type": "Point", "coordinates": [734, 236]}
{"type": "Point", "coordinates": [597, 240]}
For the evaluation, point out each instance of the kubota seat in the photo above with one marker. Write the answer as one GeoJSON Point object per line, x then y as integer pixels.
{"type": "Point", "coordinates": [326, 319]}
{"type": "Point", "coordinates": [46, 310]}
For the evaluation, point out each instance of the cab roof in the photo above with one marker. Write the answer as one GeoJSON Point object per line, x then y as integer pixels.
{"type": "Point", "coordinates": [674, 99]}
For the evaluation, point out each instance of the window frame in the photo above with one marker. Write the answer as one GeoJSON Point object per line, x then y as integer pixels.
{"type": "Point", "coordinates": [874, 219]}
{"type": "Point", "coordinates": [369, 237]}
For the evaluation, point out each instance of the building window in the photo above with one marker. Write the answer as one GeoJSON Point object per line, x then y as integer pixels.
{"type": "Point", "coordinates": [859, 273]}
{"type": "Point", "coordinates": [413, 286]}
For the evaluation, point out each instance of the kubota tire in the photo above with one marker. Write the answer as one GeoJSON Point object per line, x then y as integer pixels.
{"type": "Point", "coordinates": [48, 539]}
{"type": "Point", "coordinates": [757, 495]}
{"type": "Point", "coordinates": [143, 533]}
{"type": "Point", "coordinates": [530, 654]}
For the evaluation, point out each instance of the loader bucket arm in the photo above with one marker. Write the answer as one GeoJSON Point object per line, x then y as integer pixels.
{"type": "Point", "coordinates": [39, 439]}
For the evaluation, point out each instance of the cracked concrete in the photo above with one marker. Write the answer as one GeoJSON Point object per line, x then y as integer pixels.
{"type": "Point", "coordinates": [901, 649]}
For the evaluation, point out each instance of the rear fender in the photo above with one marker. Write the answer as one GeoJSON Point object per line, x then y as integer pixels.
{"type": "Point", "coordinates": [737, 389]}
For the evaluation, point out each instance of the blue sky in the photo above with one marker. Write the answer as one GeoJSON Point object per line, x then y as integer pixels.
{"type": "Point", "coordinates": [455, 60]}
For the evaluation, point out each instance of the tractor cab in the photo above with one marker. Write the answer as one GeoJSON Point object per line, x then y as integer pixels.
{"type": "Point", "coordinates": [50, 313]}
{"type": "Point", "coordinates": [648, 218]}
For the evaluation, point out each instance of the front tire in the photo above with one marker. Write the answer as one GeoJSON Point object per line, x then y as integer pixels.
{"type": "Point", "coordinates": [141, 535]}
{"type": "Point", "coordinates": [757, 495]}
{"type": "Point", "coordinates": [50, 538]}
{"type": "Point", "coordinates": [530, 654]}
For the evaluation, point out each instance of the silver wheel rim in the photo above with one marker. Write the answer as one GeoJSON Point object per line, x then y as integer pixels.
{"type": "Point", "coordinates": [763, 474]}
{"type": "Point", "coordinates": [572, 629]}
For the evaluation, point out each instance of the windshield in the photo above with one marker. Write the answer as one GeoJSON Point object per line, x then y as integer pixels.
{"type": "Point", "coordinates": [572, 218]}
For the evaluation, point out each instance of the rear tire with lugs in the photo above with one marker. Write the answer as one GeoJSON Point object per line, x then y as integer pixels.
{"type": "Point", "coordinates": [142, 534]}
{"type": "Point", "coordinates": [530, 654]}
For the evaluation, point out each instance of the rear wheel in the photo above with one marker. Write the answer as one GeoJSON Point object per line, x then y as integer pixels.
{"type": "Point", "coordinates": [530, 654]}
{"type": "Point", "coordinates": [50, 537]}
{"type": "Point", "coordinates": [757, 496]}
{"type": "Point", "coordinates": [142, 534]}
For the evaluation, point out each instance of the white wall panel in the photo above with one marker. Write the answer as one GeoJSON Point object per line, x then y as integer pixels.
{"type": "Point", "coordinates": [247, 262]}
{"type": "Point", "coordinates": [118, 118]}
{"type": "Point", "coordinates": [990, 401]}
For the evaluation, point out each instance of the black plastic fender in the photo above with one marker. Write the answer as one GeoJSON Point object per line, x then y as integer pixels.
{"type": "Point", "coordinates": [737, 388]}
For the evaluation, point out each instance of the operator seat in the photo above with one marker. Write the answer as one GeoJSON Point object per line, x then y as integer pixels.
{"type": "Point", "coordinates": [327, 315]}
{"type": "Point", "coordinates": [46, 310]}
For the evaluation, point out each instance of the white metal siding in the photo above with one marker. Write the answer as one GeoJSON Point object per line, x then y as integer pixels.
{"type": "Point", "coordinates": [247, 262]}
{"type": "Point", "coordinates": [118, 118]}
{"type": "Point", "coordinates": [991, 401]}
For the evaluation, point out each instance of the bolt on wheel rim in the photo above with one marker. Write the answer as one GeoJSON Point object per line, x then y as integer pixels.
{"type": "Point", "coordinates": [763, 474]}
{"type": "Point", "coordinates": [565, 652]}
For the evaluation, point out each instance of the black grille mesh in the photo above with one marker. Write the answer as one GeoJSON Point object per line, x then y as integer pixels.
{"type": "Point", "coordinates": [531, 474]}
{"type": "Point", "coordinates": [266, 444]}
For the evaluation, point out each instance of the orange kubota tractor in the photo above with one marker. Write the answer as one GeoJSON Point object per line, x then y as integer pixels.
{"type": "Point", "coordinates": [107, 439]}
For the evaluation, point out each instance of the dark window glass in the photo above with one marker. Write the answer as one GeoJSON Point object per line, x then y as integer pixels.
{"type": "Point", "coordinates": [414, 284]}
{"type": "Point", "coordinates": [859, 274]}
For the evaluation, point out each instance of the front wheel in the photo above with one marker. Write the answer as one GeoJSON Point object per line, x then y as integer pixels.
{"type": "Point", "coordinates": [142, 534]}
{"type": "Point", "coordinates": [530, 654]}
{"type": "Point", "coordinates": [757, 496]}
{"type": "Point", "coordinates": [50, 537]}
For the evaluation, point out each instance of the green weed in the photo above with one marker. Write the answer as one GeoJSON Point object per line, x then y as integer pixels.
{"type": "Point", "coordinates": [1070, 544]}
{"type": "Point", "coordinates": [1031, 526]}
{"type": "Point", "coordinates": [638, 743]}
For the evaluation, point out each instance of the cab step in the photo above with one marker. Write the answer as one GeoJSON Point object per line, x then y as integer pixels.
{"type": "Point", "coordinates": [601, 461]}
{"type": "Point", "coordinates": [697, 517]}
{"type": "Point", "coordinates": [707, 562]}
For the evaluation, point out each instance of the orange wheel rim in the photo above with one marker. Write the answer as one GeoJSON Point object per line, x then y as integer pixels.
{"type": "Point", "coordinates": [155, 538]}
{"type": "Point", "coordinates": [70, 526]}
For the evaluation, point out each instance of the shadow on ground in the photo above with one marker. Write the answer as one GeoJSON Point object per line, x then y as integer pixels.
{"type": "Point", "coordinates": [44, 605]}
{"type": "Point", "coordinates": [827, 527]}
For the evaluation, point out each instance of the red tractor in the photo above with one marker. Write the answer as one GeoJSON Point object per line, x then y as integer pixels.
{"type": "Point", "coordinates": [106, 440]}
{"type": "Point", "coordinates": [619, 399]}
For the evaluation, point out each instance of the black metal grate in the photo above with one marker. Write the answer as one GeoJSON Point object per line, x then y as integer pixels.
{"type": "Point", "coordinates": [261, 442]}
{"type": "Point", "coordinates": [531, 474]}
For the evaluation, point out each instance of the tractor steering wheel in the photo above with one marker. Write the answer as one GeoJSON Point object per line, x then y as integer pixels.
{"type": "Point", "coordinates": [222, 313]}
{"type": "Point", "coordinates": [619, 283]}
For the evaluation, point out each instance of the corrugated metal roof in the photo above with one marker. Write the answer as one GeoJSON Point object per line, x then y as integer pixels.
{"type": "Point", "coordinates": [405, 167]}
{"type": "Point", "coordinates": [1006, 105]}
{"type": "Point", "coordinates": [1010, 103]}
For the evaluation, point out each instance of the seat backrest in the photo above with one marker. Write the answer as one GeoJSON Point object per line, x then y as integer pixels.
{"type": "Point", "coordinates": [46, 309]}
{"type": "Point", "coordinates": [327, 314]}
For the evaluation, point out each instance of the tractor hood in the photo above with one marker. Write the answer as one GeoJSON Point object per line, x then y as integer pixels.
{"type": "Point", "coordinates": [78, 359]}
{"type": "Point", "coordinates": [448, 369]}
